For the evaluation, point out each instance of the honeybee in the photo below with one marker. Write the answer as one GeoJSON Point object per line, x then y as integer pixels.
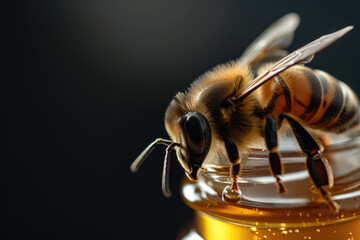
{"type": "Point", "coordinates": [247, 102]}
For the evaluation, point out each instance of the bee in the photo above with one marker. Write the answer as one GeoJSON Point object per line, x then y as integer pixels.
{"type": "Point", "coordinates": [250, 101]}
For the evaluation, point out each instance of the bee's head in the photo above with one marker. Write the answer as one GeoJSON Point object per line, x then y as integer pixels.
{"type": "Point", "coordinates": [195, 142]}
{"type": "Point", "coordinates": [191, 137]}
{"type": "Point", "coordinates": [191, 130]}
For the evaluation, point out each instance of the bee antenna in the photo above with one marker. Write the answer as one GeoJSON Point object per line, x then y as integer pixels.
{"type": "Point", "coordinates": [140, 159]}
{"type": "Point", "coordinates": [165, 186]}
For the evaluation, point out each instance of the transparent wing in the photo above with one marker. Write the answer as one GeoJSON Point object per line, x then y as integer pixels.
{"type": "Point", "coordinates": [278, 35]}
{"type": "Point", "coordinates": [303, 54]}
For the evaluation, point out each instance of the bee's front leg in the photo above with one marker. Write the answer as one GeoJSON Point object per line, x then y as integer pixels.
{"type": "Point", "coordinates": [276, 167]}
{"type": "Point", "coordinates": [233, 194]}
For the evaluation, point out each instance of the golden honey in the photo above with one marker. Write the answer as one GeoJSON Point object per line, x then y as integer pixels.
{"type": "Point", "coordinates": [261, 213]}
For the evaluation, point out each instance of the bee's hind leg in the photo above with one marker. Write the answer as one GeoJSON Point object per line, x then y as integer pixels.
{"type": "Point", "coordinates": [232, 194]}
{"type": "Point", "coordinates": [276, 167]}
{"type": "Point", "coordinates": [318, 166]}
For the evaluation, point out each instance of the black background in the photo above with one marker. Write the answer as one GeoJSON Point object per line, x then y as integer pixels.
{"type": "Point", "coordinates": [86, 89]}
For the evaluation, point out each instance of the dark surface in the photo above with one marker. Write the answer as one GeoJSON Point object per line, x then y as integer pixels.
{"type": "Point", "coordinates": [86, 90]}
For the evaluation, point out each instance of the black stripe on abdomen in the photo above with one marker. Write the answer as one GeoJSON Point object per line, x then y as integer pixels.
{"type": "Point", "coordinates": [286, 90]}
{"type": "Point", "coordinates": [318, 87]}
{"type": "Point", "coordinates": [349, 116]}
{"type": "Point", "coordinates": [335, 107]}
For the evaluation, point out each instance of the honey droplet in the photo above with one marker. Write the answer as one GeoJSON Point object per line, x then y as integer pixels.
{"type": "Point", "coordinates": [231, 196]}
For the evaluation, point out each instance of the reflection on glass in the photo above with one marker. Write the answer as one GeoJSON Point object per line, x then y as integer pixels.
{"type": "Point", "coordinates": [261, 213]}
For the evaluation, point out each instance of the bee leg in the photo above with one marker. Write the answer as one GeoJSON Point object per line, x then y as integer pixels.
{"type": "Point", "coordinates": [232, 194]}
{"type": "Point", "coordinates": [318, 166]}
{"type": "Point", "coordinates": [276, 167]}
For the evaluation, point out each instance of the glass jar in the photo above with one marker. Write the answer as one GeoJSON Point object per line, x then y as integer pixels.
{"type": "Point", "coordinates": [261, 213]}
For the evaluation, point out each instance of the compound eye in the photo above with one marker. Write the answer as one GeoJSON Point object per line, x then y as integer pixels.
{"type": "Point", "coordinates": [197, 133]}
{"type": "Point", "coordinates": [195, 128]}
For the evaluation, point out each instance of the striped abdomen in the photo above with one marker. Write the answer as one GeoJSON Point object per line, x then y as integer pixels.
{"type": "Point", "coordinates": [317, 98]}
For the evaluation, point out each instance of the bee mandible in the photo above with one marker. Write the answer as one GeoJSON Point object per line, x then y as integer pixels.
{"type": "Point", "coordinates": [247, 102]}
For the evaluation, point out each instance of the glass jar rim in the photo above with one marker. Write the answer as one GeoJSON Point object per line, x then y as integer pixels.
{"type": "Point", "coordinates": [338, 145]}
{"type": "Point", "coordinates": [258, 187]}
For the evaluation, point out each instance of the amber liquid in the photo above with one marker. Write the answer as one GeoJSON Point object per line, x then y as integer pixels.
{"type": "Point", "coordinates": [212, 228]}
{"type": "Point", "coordinates": [220, 220]}
{"type": "Point", "coordinates": [263, 214]}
